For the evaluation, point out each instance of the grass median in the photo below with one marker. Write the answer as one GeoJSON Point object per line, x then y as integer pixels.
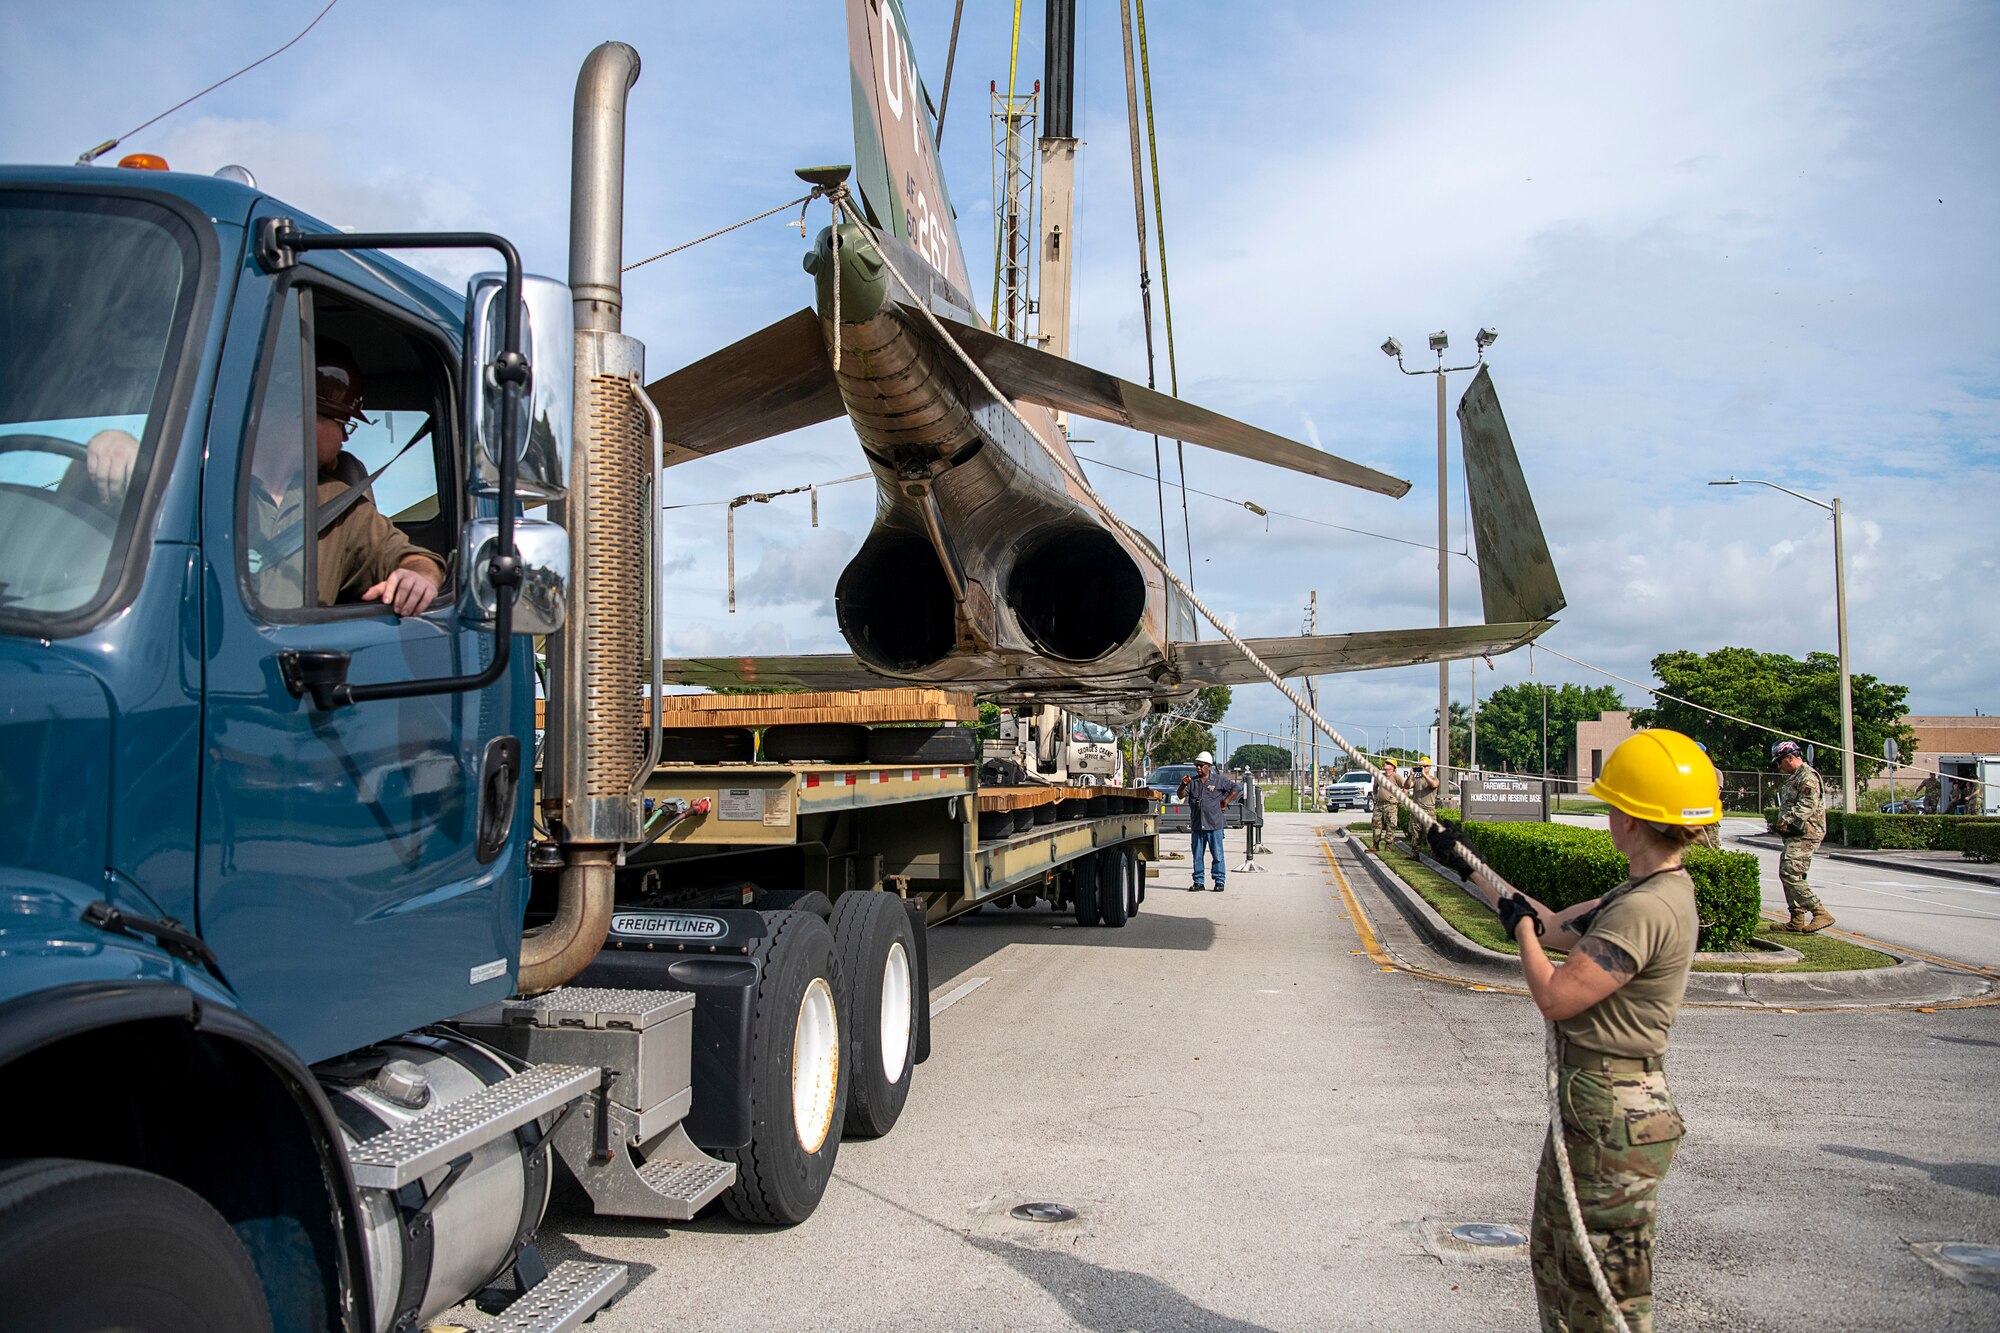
{"type": "Point", "coordinates": [1475, 921]}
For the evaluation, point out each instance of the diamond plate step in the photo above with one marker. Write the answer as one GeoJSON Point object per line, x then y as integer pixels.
{"type": "Point", "coordinates": [597, 1007]}
{"type": "Point", "coordinates": [691, 1185]}
{"type": "Point", "coordinates": [392, 1160]}
{"type": "Point", "coordinates": [571, 1293]}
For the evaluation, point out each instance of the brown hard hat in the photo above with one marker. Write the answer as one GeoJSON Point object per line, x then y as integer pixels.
{"type": "Point", "coordinates": [338, 391]}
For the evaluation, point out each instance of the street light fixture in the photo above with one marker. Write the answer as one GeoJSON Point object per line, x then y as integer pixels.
{"type": "Point", "coordinates": [1848, 793]}
{"type": "Point", "coordinates": [1439, 341]}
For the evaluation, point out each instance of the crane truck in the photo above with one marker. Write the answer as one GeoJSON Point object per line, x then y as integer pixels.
{"type": "Point", "coordinates": [312, 974]}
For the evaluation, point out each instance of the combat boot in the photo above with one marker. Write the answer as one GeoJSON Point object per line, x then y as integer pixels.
{"type": "Point", "coordinates": [1820, 920]}
{"type": "Point", "coordinates": [1796, 922]}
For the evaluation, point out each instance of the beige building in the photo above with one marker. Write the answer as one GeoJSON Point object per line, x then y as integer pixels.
{"type": "Point", "coordinates": [1594, 743]}
{"type": "Point", "coordinates": [1942, 735]}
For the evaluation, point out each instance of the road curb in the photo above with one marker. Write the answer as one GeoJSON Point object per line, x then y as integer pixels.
{"type": "Point", "coordinates": [1910, 982]}
{"type": "Point", "coordinates": [1773, 843]}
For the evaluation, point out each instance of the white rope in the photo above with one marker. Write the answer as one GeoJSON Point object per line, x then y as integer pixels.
{"type": "Point", "coordinates": [1602, 1285]}
{"type": "Point", "coordinates": [1420, 819]}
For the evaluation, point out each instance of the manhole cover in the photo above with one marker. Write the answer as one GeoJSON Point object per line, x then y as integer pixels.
{"type": "Point", "coordinates": [1042, 1212]}
{"type": "Point", "coordinates": [1489, 1234]}
{"type": "Point", "coordinates": [1971, 1256]}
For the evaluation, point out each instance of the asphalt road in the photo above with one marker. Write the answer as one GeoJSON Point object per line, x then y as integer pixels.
{"type": "Point", "coordinates": [1261, 1128]}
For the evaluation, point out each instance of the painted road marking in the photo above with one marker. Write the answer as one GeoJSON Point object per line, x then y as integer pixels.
{"type": "Point", "coordinates": [1968, 911]}
{"type": "Point", "coordinates": [957, 993]}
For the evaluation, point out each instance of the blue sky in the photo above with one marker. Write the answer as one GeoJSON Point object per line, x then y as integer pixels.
{"type": "Point", "coordinates": [1751, 239]}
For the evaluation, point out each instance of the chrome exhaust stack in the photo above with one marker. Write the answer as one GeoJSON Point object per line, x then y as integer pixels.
{"type": "Point", "coordinates": [597, 750]}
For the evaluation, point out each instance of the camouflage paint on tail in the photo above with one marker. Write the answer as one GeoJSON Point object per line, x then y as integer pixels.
{"type": "Point", "coordinates": [895, 141]}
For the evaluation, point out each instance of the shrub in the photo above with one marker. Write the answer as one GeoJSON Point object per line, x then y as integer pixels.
{"type": "Point", "coordinates": [1980, 841]}
{"type": "Point", "coordinates": [1563, 865]}
{"type": "Point", "coordinates": [1771, 818]}
{"type": "Point", "coordinates": [1937, 833]}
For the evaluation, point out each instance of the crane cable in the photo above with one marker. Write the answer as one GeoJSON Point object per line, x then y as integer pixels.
{"type": "Point", "coordinates": [1484, 880]}
{"type": "Point", "coordinates": [1145, 277]}
{"type": "Point", "coordinates": [1166, 289]}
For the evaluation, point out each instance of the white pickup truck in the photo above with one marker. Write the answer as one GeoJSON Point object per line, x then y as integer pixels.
{"type": "Point", "coordinates": [1349, 789]}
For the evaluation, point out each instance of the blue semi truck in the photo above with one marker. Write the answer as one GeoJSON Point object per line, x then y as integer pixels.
{"type": "Point", "coordinates": [319, 959]}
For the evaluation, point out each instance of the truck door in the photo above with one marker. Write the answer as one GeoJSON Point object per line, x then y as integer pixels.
{"type": "Point", "coordinates": [340, 880]}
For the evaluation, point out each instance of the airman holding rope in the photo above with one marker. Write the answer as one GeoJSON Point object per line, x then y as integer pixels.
{"type": "Point", "coordinates": [1388, 786]}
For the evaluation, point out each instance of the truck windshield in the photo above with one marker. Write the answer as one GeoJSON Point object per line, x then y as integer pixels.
{"type": "Point", "coordinates": [94, 299]}
{"type": "Point", "coordinates": [1089, 731]}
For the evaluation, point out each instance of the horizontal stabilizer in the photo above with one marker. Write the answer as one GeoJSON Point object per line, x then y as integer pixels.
{"type": "Point", "coordinates": [1517, 578]}
{"type": "Point", "coordinates": [775, 380]}
{"type": "Point", "coordinates": [1217, 661]}
{"type": "Point", "coordinates": [808, 671]}
{"type": "Point", "coordinates": [1035, 376]}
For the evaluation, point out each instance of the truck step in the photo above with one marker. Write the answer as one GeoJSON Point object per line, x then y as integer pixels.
{"type": "Point", "coordinates": [673, 1184]}
{"type": "Point", "coordinates": [392, 1160]}
{"type": "Point", "coordinates": [571, 1293]}
{"type": "Point", "coordinates": [596, 1007]}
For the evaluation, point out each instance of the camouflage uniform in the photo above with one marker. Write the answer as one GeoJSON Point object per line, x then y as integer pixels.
{"type": "Point", "coordinates": [1927, 793]}
{"type": "Point", "coordinates": [1802, 819]}
{"type": "Point", "coordinates": [1621, 1130]}
{"type": "Point", "coordinates": [1386, 787]}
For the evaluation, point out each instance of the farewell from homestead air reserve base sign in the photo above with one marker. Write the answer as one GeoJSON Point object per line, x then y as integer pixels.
{"type": "Point", "coordinates": [1490, 796]}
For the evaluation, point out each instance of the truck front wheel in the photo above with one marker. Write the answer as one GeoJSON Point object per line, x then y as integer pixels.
{"type": "Point", "coordinates": [798, 1075]}
{"type": "Point", "coordinates": [84, 1245]}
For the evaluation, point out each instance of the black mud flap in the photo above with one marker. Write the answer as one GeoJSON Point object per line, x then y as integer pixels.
{"type": "Point", "coordinates": [922, 1049]}
{"type": "Point", "coordinates": [707, 955]}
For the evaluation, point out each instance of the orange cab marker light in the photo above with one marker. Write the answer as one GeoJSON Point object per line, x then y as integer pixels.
{"type": "Point", "coordinates": [144, 162]}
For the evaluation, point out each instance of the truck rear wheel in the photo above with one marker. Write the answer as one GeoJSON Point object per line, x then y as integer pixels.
{"type": "Point", "coordinates": [798, 1079]}
{"type": "Point", "coordinates": [1084, 883]}
{"type": "Point", "coordinates": [1113, 886]}
{"type": "Point", "coordinates": [877, 950]}
{"type": "Point", "coordinates": [89, 1246]}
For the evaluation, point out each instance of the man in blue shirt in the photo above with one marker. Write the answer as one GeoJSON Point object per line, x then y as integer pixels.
{"type": "Point", "coordinates": [1208, 793]}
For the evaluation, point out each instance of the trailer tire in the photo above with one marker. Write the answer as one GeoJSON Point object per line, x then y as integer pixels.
{"type": "Point", "coordinates": [708, 745]}
{"type": "Point", "coordinates": [1113, 886]}
{"type": "Point", "coordinates": [1135, 882]}
{"type": "Point", "coordinates": [1085, 885]}
{"type": "Point", "coordinates": [877, 949]}
{"type": "Point", "coordinates": [795, 1113]}
{"type": "Point", "coordinates": [84, 1245]}
{"type": "Point", "coordinates": [923, 745]}
{"type": "Point", "coordinates": [796, 900]}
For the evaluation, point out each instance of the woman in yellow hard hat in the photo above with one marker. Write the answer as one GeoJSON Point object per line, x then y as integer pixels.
{"type": "Point", "coordinates": [1612, 1002]}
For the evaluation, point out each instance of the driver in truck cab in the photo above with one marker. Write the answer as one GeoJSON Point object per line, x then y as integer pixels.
{"type": "Point", "coordinates": [362, 556]}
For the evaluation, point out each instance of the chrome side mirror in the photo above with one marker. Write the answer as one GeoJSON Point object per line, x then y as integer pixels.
{"type": "Point", "coordinates": [544, 551]}
{"type": "Point", "coordinates": [541, 446]}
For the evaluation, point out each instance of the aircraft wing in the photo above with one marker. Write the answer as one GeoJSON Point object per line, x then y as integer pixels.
{"type": "Point", "coordinates": [775, 380]}
{"type": "Point", "coordinates": [1035, 376]}
{"type": "Point", "coordinates": [1217, 662]}
{"type": "Point", "coordinates": [806, 671]}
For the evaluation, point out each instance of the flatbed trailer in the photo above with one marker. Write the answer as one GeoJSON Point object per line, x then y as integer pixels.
{"type": "Point", "coordinates": [927, 832]}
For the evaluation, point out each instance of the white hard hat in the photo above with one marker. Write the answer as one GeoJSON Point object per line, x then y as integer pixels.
{"type": "Point", "coordinates": [1204, 758]}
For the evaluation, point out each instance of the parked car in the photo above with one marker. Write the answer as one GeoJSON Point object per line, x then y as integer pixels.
{"type": "Point", "coordinates": [1351, 788]}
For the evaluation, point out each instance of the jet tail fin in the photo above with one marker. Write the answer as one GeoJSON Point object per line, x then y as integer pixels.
{"type": "Point", "coordinates": [1035, 376]}
{"type": "Point", "coordinates": [1517, 577]}
{"type": "Point", "coordinates": [775, 380]}
{"type": "Point", "coordinates": [1217, 661]}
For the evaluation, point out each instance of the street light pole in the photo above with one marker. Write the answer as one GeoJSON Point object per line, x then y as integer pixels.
{"type": "Point", "coordinates": [1847, 786]}
{"type": "Point", "coordinates": [1438, 343]}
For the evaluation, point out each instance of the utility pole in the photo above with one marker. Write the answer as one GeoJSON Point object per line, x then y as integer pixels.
{"type": "Point", "coordinates": [1439, 341]}
{"type": "Point", "coordinates": [1847, 785]}
{"type": "Point", "coordinates": [1312, 697]}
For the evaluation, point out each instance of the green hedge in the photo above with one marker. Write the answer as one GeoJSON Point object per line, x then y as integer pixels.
{"type": "Point", "coordinates": [1980, 841]}
{"type": "Point", "coordinates": [1563, 865]}
{"type": "Point", "coordinates": [1937, 833]}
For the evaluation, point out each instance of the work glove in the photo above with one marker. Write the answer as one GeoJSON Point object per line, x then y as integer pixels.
{"type": "Point", "coordinates": [1513, 910]}
{"type": "Point", "coordinates": [1449, 849]}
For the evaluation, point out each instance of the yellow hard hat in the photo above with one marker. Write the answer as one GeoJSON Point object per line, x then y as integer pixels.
{"type": "Point", "coordinates": [1662, 777]}
{"type": "Point", "coordinates": [1387, 762]}
{"type": "Point", "coordinates": [1423, 759]}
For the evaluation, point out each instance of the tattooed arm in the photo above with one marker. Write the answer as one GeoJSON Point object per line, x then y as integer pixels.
{"type": "Point", "coordinates": [1594, 970]}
